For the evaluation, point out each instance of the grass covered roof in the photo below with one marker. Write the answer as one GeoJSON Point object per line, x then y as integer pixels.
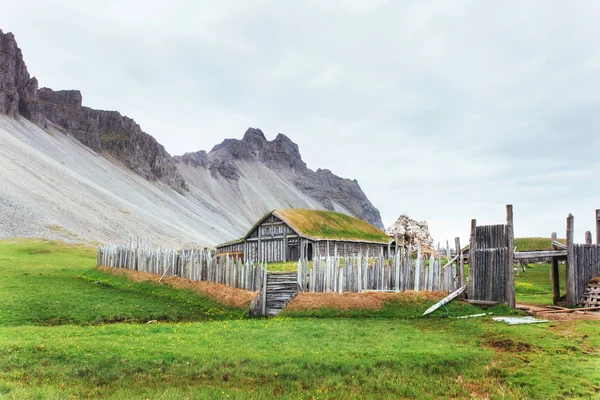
{"type": "Point", "coordinates": [322, 224]}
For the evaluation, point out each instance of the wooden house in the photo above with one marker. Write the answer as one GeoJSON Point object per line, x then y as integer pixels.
{"type": "Point", "coordinates": [292, 234]}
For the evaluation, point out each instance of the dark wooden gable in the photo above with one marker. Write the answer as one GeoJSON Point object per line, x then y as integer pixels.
{"type": "Point", "coordinates": [271, 226]}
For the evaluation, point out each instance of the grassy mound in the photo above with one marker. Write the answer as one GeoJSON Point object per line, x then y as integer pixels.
{"type": "Point", "coordinates": [405, 305]}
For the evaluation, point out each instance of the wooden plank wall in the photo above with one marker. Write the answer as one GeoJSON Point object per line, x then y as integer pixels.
{"type": "Point", "coordinates": [195, 265]}
{"type": "Point", "coordinates": [583, 261]}
{"type": "Point", "coordinates": [491, 270]}
{"type": "Point", "coordinates": [362, 272]}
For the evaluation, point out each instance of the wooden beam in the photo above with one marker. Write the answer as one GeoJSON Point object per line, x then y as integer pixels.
{"type": "Point", "coordinates": [571, 278]}
{"type": "Point", "coordinates": [520, 255]}
{"type": "Point", "coordinates": [510, 273]}
{"type": "Point", "coordinates": [558, 245]}
{"type": "Point", "coordinates": [588, 237]}
{"type": "Point", "coordinates": [449, 263]}
{"type": "Point", "coordinates": [481, 302]}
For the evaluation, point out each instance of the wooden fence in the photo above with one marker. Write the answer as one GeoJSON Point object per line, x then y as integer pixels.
{"type": "Point", "coordinates": [491, 252]}
{"type": "Point", "coordinates": [583, 261]}
{"type": "Point", "coordinates": [360, 273]}
{"type": "Point", "coordinates": [195, 265]}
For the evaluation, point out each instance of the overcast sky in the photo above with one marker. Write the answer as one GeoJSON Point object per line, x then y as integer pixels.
{"type": "Point", "coordinates": [445, 110]}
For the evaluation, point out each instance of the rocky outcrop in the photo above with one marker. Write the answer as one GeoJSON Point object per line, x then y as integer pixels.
{"type": "Point", "coordinates": [411, 230]}
{"type": "Point", "coordinates": [283, 155]}
{"type": "Point", "coordinates": [112, 132]}
{"type": "Point", "coordinates": [18, 91]}
{"type": "Point", "coordinates": [102, 131]}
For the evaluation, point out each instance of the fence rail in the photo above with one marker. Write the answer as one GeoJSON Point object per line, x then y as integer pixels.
{"type": "Point", "coordinates": [195, 265]}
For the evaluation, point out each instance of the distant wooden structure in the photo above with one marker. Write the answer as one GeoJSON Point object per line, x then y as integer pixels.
{"type": "Point", "coordinates": [298, 234]}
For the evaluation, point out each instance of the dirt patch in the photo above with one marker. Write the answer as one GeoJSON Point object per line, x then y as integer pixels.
{"type": "Point", "coordinates": [226, 295]}
{"type": "Point", "coordinates": [509, 345]}
{"type": "Point", "coordinates": [354, 301]}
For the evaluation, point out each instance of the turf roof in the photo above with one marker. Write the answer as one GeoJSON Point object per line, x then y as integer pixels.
{"type": "Point", "coordinates": [322, 224]}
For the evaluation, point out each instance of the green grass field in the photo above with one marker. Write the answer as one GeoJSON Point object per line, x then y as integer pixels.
{"type": "Point", "coordinates": [534, 286]}
{"type": "Point", "coordinates": [59, 338]}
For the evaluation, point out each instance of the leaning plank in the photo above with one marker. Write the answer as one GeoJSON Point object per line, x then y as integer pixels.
{"type": "Point", "coordinates": [449, 263]}
{"type": "Point", "coordinates": [445, 300]}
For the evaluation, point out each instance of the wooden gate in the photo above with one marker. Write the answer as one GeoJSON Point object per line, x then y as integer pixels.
{"type": "Point", "coordinates": [491, 253]}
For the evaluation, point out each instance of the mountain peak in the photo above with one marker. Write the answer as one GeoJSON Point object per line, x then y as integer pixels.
{"type": "Point", "coordinates": [255, 135]}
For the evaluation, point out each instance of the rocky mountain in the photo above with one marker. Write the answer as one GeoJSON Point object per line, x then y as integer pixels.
{"type": "Point", "coordinates": [228, 160]}
{"type": "Point", "coordinates": [68, 171]}
{"type": "Point", "coordinates": [101, 131]}
{"type": "Point", "coordinates": [412, 230]}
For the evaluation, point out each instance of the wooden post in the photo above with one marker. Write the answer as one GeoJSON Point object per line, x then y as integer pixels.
{"type": "Point", "coordinates": [510, 273]}
{"type": "Point", "coordinates": [555, 276]}
{"type": "Point", "coordinates": [588, 237]}
{"type": "Point", "coordinates": [460, 272]}
{"type": "Point", "coordinates": [598, 226]}
{"type": "Point", "coordinates": [264, 292]}
{"type": "Point", "coordinates": [490, 288]}
{"type": "Point", "coordinates": [571, 281]}
{"type": "Point", "coordinates": [470, 292]}
{"type": "Point", "coordinates": [259, 257]}
{"type": "Point", "coordinates": [285, 251]}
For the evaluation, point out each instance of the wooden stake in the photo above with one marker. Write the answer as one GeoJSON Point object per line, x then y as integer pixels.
{"type": "Point", "coordinates": [571, 279]}
{"type": "Point", "coordinates": [472, 257]}
{"type": "Point", "coordinates": [510, 273]}
{"type": "Point", "coordinates": [555, 276]}
{"type": "Point", "coordinates": [598, 226]}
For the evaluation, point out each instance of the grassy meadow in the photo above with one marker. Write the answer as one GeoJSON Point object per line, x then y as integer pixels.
{"type": "Point", "coordinates": [70, 331]}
